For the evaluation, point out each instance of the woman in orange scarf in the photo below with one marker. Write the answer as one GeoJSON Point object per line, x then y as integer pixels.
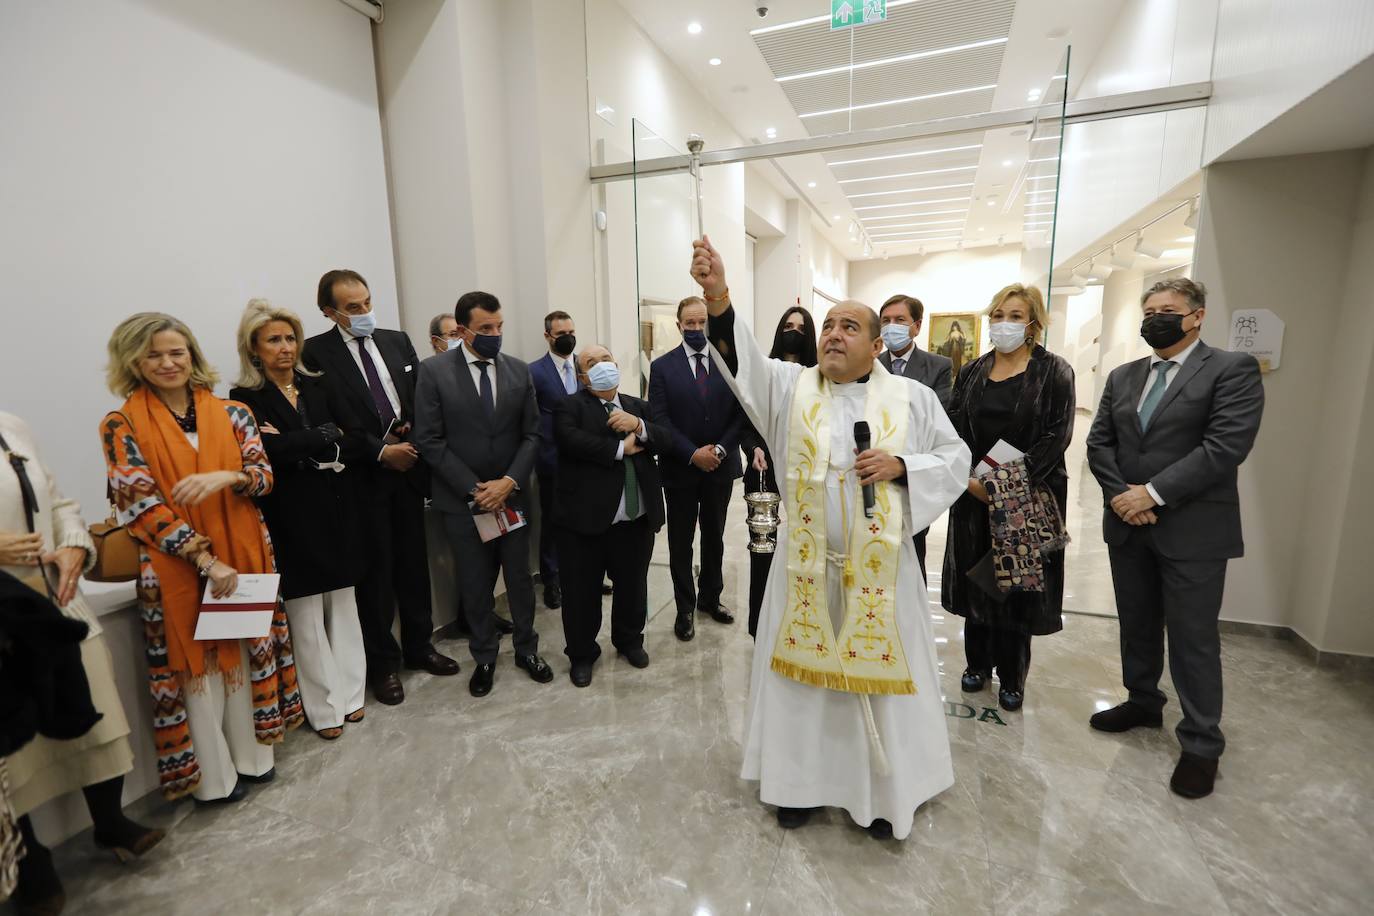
{"type": "Point", "coordinates": [183, 467]}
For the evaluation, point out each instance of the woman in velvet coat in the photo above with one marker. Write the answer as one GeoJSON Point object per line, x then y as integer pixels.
{"type": "Point", "coordinates": [1026, 398]}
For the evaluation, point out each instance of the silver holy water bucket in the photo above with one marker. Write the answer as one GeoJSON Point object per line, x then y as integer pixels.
{"type": "Point", "coordinates": [762, 521]}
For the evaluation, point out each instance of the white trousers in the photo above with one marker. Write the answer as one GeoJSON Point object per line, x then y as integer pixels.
{"type": "Point", "coordinates": [221, 723]}
{"type": "Point", "coordinates": [327, 643]}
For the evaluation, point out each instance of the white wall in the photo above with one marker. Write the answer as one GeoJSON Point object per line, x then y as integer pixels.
{"type": "Point", "coordinates": [1111, 169]}
{"type": "Point", "coordinates": [829, 269]}
{"type": "Point", "coordinates": [1294, 234]}
{"type": "Point", "coordinates": [1271, 55]}
{"type": "Point", "coordinates": [181, 157]}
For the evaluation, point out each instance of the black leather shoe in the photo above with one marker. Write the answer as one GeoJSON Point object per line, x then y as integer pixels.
{"type": "Point", "coordinates": [434, 663]}
{"type": "Point", "coordinates": [636, 656]}
{"type": "Point", "coordinates": [1125, 717]}
{"type": "Point", "coordinates": [792, 818]}
{"type": "Point", "coordinates": [504, 626]}
{"type": "Point", "coordinates": [388, 690]}
{"type": "Point", "coordinates": [720, 613]}
{"type": "Point", "coordinates": [553, 597]}
{"type": "Point", "coordinates": [1194, 776]}
{"type": "Point", "coordinates": [684, 627]}
{"type": "Point", "coordinates": [581, 674]}
{"type": "Point", "coordinates": [606, 588]}
{"type": "Point", "coordinates": [264, 778]}
{"type": "Point", "coordinates": [880, 829]}
{"type": "Point", "coordinates": [237, 794]}
{"type": "Point", "coordinates": [972, 681]}
{"type": "Point", "coordinates": [1010, 700]}
{"type": "Point", "coordinates": [538, 669]}
{"type": "Point", "coordinates": [480, 684]}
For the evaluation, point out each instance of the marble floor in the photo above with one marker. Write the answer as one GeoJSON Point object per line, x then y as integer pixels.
{"type": "Point", "coordinates": [625, 798]}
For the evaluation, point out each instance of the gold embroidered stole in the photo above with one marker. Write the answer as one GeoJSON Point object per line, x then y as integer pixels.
{"type": "Point", "coordinates": [867, 657]}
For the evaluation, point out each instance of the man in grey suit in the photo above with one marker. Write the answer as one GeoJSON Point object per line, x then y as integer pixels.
{"type": "Point", "coordinates": [477, 427]}
{"type": "Point", "coordinates": [901, 317]}
{"type": "Point", "coordinates": [1166, 442]}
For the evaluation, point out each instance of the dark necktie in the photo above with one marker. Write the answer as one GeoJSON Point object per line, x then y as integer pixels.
{"type": "Point", "coordinates": [380, 402]}
{"type": "Point", "coordinates": [1156, 394]}
{"type": "Point", "coordinates": [484, 390]}
{"type": "Point", "coordinates": [631, 479]}
{"type": "Point", "coordinates": [898, 364]}
{"type": "Point", "coordinates": [701, 372]}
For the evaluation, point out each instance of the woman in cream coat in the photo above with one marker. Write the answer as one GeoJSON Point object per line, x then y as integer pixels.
{"type": "Point", "coordinates": [96, 762]}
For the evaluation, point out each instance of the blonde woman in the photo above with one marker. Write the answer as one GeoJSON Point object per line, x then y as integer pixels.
{"type": "Point", "coordinates": [183, 469]}
{"type": "Point", "coordinates": [310, 512]}
{"type": "Point", "coordinates": [44, 543]}
{"type": "Point", "coordinates": [1021, 393]}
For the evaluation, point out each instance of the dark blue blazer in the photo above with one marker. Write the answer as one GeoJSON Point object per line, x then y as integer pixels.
{"type": "Point", "coordinates": [694, 421]}
{"type": "Point", "coordinates": [549, 392]}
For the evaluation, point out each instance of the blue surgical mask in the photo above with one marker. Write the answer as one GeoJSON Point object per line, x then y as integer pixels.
{"type": "Point", "coordinates": [452, 343]}
{"type": "Point", "coordinates": [362, 325]}
{"type": "Point", "coordinates": [694, 339]}
{"type": "Point", "coordinates": [896, 336]}
{"type": "Point", "coordinates": [487, 346]}
{"type": "Point", "coordinates": [603, 376]}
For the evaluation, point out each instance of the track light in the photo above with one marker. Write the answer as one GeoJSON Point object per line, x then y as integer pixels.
{"type": "Point", "coordinates": [1191, 221]}
{"type": "Point", "coordinates": [1147, 249]}
{"type": "Point", "coordinates": [1099, 271]}
{"type": "Point", "coordinates": [1123, 258]}
{"type": "Point", "coordinates": [1066, 290]}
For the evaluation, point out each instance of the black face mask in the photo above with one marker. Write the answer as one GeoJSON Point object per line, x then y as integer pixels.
{"type": "Point", "coordinates": [564, 345]}
{"type": "Point", "coordinates": [1162, 330]}
{"type": "Point", "coordinates": [793, 341]}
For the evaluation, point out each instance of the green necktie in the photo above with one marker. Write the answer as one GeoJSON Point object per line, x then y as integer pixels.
{"type": "Point", "coordinates": [631, 480]}
{"type": "Point", "coordinates": [1147, 409]}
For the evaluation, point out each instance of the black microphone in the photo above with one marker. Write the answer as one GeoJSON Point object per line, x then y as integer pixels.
{"type": "Point", "coordinates": [863, 441]}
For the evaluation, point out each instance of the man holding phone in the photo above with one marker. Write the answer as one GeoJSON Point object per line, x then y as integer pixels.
{"type": "Point", "coordinates": [373, 372]}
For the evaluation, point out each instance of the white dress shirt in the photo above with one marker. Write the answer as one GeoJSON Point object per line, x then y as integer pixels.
{"type": "Point", "coordinates": [692, 358]}
{"type": "Point", "coordinates": [1170, 375]}
{"type": "Point", "coordinates": [570, 361]}
{"type": "Point", "coordinates": [643, 434]}
{"type": "Point", "coordinates": [383, 372]}
{"type": "Point", "coordinates": [472, 359]}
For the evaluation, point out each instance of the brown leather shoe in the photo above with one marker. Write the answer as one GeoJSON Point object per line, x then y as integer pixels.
{"type": "Point", "coordinates": [388, 690]}
{"type": "Point", "coordinates": [1194, 776]}
{"type": "Point", "coordinates": [433, 662]}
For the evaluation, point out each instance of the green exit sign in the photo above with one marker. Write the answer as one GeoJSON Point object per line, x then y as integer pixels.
{"type": "Point", "coordinates": [846, 14]}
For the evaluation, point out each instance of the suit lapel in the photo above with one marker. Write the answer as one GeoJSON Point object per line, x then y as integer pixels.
{"type": "Point", "coordinates": [348, 368]}
{"type": "Point", "coordinates": [1185, 374]}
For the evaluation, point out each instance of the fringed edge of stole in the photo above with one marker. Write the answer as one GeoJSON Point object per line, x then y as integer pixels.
{"type": "Point", "coordinates": [840, 682]}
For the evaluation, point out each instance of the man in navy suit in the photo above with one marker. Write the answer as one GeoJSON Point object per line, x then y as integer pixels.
{"type": "Point", "coordinates": [555, 377]}
{"type": "Point", "coordinates": [699, 464]}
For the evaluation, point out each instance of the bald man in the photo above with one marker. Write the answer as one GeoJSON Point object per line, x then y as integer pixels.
{"type": "Point", "coordinates": [607, 507]}
{"type": "Point", "coordinates": [844, 698]}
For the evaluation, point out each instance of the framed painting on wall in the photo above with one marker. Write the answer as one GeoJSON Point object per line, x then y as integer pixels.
{"type": "Point", "coordinates": [956, 335]}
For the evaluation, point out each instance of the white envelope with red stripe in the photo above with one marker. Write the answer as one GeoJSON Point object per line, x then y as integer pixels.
{"type": "Point", "coordinates": [246, 614]}
{"type": "Point", "coordinates": [1000, 454]}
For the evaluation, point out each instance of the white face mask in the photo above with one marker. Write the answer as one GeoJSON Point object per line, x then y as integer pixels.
{"type": "Point", "coordinates": [1007, 336]}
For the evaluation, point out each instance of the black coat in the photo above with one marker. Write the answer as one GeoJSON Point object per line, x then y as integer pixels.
{"type": "Point", "coordinates": [694, 419]}
{"type": "Point", "coordinates": [328, 353]}
{"type": "Point", "coordinates": [590, 479]}
{"type": "Point", "coordinates": [1042, 427]}
{"type": "Point", "coordinates": [311, 514]}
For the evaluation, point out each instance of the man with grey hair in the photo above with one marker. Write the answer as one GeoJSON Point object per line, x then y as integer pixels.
{"type": "Point", "coordinates": [1169, 435]}
{"type": "Point", "coordinates": [443, 333]}
{"type": "Point", "coordinates": [845, 705]}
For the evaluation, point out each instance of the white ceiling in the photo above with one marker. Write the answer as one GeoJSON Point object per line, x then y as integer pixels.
{"type": "Point", "coordinates": [957, 57]}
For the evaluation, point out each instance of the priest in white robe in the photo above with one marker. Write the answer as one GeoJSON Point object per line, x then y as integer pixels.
{"type": "Point", "coordinates": [845, 708]}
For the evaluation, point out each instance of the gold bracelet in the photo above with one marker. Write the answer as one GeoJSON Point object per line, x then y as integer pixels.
{"type": "Point", "coordinates": [721, 298]}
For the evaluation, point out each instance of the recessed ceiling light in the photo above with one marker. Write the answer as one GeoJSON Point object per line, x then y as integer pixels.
{"type": "Point", "coordinates": [835, 216]}
{"type": "Point", "coordinates": [982, 228]}
{"type": "Point", "coordinates": [715, 61]}
{"type": "Point", "coordinates": [874, 219]}
{"type": "Point", "coordinates": [903, 101]}
{"type": "Point", "coordinates": [992, 203]}
{"type": "Point", "coordinates": [957, 168]}
{"type": "Point", "coordinates": [1032, 95]}
{"type": "Point", "coordinates": [694, 28]}
{"type": "Point", "coordinates": [771, 132]}
{"type": "Point", "coordinates": [884, 61]}
{"type": "Point", "coordinates": [1006, 162]}
{"type": "Point", "coordinates": [925, 152]}
{"type": "Point", "coordinates": [810, 184]}
{"type": "Point", "coordinates": [929, 222]}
